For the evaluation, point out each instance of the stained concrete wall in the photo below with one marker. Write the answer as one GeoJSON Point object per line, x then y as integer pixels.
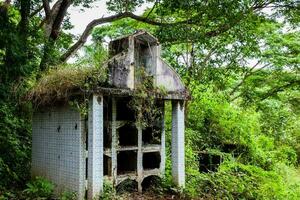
{"type": "Point", "coordinates": [58, 149]}
{"type": "Point", "coordinates": [168, 78]}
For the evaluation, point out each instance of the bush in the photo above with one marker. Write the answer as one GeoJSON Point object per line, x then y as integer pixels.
{"type": "Point", "coordinates": [218, 122]}
{"type": "Point", "coordinates": [109, 191]}
{"type": "Point", "coordinates": [39, 188]}
{"type": "Point", "coordinates": [15, 146]}
{"type": "Point", "coordinates": [268, 141]}
{"type": "Point", "coordinates": [68, 196]}
{"type": "Point", "coordinates": [238, 181]}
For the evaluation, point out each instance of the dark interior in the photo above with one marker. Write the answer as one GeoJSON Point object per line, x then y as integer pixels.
{"type": "Point", "coordinates": [86, 168]}
{"type": "Point", "coordinates": [107, 165]}
{"type": "Point", "coordinates": [209, 162]}
{"type": "Point", "coordinates": [152, 135]}
{"type": "Point", "coordinates": [124, 113]}
{"type": "Point", "coordinates": [107, 115]}
{"type": "Point", "coordinates": [118, 46]}
{"type": "Point", "coordinates": [151, 182]}
{"type": "Point", "coordinates": [127, 185]}
{"type": "Point", "coordinates": [234, 149]}
{"type": "Point", "coordinates": [127, 162]}
{"type": "Point", "coordinates": [151, 160]}
{"type": "Point", "coordinates": [128, 135]}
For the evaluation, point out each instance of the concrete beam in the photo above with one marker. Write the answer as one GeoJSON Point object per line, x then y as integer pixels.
{"type": "Point", "coordinates": [178, 165]}
{"type": "Point", "coordinates": [95, 147]}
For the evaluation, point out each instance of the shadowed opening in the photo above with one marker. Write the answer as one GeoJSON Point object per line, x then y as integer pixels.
{"type": "Point", "coordinates": [127, 185]}
{"type": "Point", "coordinates": [152, 135]}
{"type": "Point", "coordinates": [151, 183]}
{"type": "Point", "coordinates": [151, 160]}
{"type": "Point", "coordinates": [127, 162]}
{"type": "Point", "coordinates": [124, 112]}
{"type": "Point", "coordinates": [209, 162]}
{"type": "Point", "coordinates": [128, 135]}
{"type": "Point", "coordinates": [107, 165]}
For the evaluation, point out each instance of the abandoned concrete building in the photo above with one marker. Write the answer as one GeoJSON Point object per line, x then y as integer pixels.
{"type": "Point", "coordinates": [77, 153]}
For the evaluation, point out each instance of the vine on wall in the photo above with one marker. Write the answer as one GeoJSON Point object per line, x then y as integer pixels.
{"type": "Point", "coordinates": [145, 100]}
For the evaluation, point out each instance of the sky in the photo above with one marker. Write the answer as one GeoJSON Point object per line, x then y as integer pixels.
{"type": "Point", "coordinates": [81, 18]}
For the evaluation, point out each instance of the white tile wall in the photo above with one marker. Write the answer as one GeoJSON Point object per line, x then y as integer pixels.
{"type": "Point", "coordinates": [58, 148]}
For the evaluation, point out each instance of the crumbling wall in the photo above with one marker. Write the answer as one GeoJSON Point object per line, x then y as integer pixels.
{"type": "Point", "coordinates": [121, 65]}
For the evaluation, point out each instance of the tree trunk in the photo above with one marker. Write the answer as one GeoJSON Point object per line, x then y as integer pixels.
{"type": "Point", "coordinates": [47, 58]}
{"type": "Point", "coordinates": [54, 20]}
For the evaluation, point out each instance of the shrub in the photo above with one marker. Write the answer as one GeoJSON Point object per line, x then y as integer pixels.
{"type": "Point", "coordinates": [14, 146]}
{"type": "Point", "coordinates": [238, 181]}
{"type": "Point", "coordinates": [109, 191]}
{"type": "Point", "coordinates": [39, 188]}
{"type": "Point", "coordinates": [66, 195]}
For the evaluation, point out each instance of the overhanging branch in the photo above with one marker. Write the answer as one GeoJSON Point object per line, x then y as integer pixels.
{"type": "Point", "coordinates": [36, 11]}
{"type": "Point", "coordinates": [194, 19]}
{"type": "Point", "coordinates": [103, 20]}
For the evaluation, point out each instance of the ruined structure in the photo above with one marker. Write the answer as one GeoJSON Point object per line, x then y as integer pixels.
{"type": "Point", "coordinates": [77, 152]}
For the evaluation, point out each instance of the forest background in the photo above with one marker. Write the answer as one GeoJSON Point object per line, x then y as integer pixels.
{"type": "Point", "coordinates": [239, 59]}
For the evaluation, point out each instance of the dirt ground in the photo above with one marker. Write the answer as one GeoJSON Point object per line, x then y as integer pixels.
{"type": "Point", "coordinates": [151, 196]}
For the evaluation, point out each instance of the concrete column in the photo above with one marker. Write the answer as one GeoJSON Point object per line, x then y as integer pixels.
{"type": "Point", "coordinates": [178, 165]}
{"type": "Point", "coordinates": [140, 159]}
{"type": "Point", "coordinates": [163, 143]}
{"type": "Point", "coordinates": [130, 61]}
{"type": "Point", "coordinates": [114, 141]}
{"type": "Point", "coordinates": [95, 147]}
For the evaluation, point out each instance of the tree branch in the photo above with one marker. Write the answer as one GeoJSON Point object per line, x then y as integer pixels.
{"type": "Point", "coordinates": [151, 9]}
{"type": "Point", "coordinates": [103, 20]}
{"type": "Point", "coordinates": [59, 18]}
{"type": "Point", "coordinates": [46, 7]}
{"type": "Point", "coordinates": [55, 17]}
{"type": "Point", "coordinates": [36, 11]}
{"type": "Point", "coordinates": [221, 29]}
{"type": "Point", "coordinates": [247, 74]}
{"type": "Point", "coordinates": [281, 88]}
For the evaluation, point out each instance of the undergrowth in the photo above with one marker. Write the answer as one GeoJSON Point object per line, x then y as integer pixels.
{"type": "Point", "coordinates": [265, 165]}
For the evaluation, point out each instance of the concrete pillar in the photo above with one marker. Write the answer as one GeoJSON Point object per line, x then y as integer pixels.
{"type": "Point", "coordinates": [114, 141]}
{"type": "Point", "coordinates": [140, 159]}
{"type": "Point", "coordinates": [95, 147]}
{"type": "Point", "coordinates": [178, 165]}
{"type": "Point", "coordinates": [163, 143]}
{"type": "Point", "coordinates": [130, 60]}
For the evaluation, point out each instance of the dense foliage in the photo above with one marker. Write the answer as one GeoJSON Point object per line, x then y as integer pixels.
{"type": "Point", "coordinates": [239, 59]}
